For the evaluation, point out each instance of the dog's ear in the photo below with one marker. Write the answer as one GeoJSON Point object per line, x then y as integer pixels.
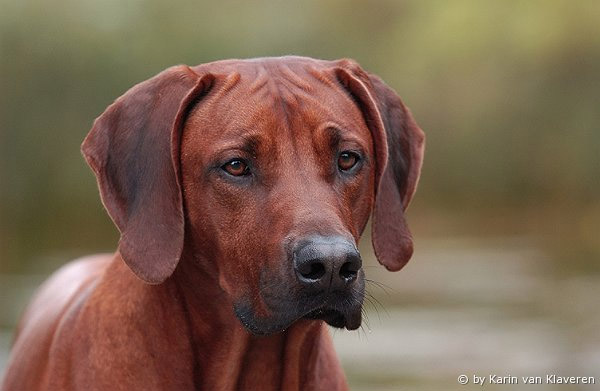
{"type": "Point", "coordinates": [133, 148]}
{"type": "Point", "coordinates": [399, 145]}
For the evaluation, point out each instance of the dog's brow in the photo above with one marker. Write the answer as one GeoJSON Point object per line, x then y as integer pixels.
{"type": "Point", "coordinates": [246, 141]}
{"type": "Point", "coordinates": [334, 135]}
{"type": "Point", "coordinates": [337, 134]}
{"type": "Point", "coordinates": [251, 144]}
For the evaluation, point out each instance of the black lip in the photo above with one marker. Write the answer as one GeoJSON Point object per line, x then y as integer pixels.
{"type": "Point", "coordinates": [348, 317]}
{"type": "Point", "coordinates": [331, 316]}
{"type": "Point", "coordinates": [335, 309]}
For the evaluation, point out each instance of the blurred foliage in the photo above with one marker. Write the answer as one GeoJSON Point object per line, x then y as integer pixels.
{"type": "Point", "coordinates": [507, 92]}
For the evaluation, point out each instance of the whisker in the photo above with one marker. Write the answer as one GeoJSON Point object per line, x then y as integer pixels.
{"type": "Point", "coordinates": [382, 286]}
{"type": "Point", "coordinates": [372, 297]}
{"type": "Point", "coordinates": [372, 303]}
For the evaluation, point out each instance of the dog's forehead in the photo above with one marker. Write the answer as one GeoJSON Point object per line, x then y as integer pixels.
{"type": "Point", "coordinates": [253, 65]}
{"type": "Point", "coordinates": [273, 95]}
{"type": "Point", "coordinates": [281, 79]}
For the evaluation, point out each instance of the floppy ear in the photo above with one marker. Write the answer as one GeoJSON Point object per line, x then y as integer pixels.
{"type": "Point", "coordinates": [133, 149]}
{"type": "Point", "coordinates": [399, 145]}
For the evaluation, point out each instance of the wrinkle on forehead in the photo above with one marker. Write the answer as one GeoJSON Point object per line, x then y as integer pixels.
{"type": "Point", "coordinates": [271, 98]}
{"type": "Point", "coordinates": [285, 78]}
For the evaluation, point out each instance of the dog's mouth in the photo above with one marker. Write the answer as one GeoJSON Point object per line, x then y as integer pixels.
{"type": "Point", "coordinates": [339, 311]}
{"type": "Point", "coordinates": [350, 320]}
{"type": "Point", "coordinates": [283, 304]}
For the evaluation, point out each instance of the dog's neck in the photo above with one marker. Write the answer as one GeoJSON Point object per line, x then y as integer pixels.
{"type": "Point", "coordinates": [300, 358]}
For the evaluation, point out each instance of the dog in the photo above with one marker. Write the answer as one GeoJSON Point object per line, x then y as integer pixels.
{"type": "Point", "coordinates": [240, 189]}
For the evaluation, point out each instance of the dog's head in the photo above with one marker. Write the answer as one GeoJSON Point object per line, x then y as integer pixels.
{"type": "Point", "coordinates": [267, 171]}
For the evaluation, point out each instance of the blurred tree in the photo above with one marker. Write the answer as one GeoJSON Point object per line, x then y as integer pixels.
{"type": "Point", "coordinates": [507, 92]}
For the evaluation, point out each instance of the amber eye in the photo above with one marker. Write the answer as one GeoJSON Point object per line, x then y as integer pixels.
{"type": "Point", "coordinates": [347, 160]}
{"type": "Point", "coordinates": [236, 167]}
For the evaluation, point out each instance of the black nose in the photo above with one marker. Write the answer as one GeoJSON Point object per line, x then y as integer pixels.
{"type": "Point", "coordinates": [326, 262]}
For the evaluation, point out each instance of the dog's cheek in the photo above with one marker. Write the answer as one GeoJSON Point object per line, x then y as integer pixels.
{"type": "Point", "coordinates": [364, 206]}
{"type": "Point", "coordinates": [358, 198]}
{"type": "Point", "coordinates": [240, 248]}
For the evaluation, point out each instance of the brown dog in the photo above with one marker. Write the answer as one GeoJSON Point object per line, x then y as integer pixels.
{"type": "Point", "coordinates": [240, 189]}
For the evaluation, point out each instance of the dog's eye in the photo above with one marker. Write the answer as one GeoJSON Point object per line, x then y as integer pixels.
{"type": "Point", "coordinates": [236, 167]}
{"type": "Point", "coordinates": [347, 160]}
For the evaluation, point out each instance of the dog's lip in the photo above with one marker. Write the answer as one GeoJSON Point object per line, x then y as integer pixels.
{"type": "Point", "coordinates": [286, 304]}
{"type": "Point", "coordinates": [348, 318]}
{"type": "Point", "coordinates": [334, 312]}
{"type": "Point", "coordinates": [337, 308]}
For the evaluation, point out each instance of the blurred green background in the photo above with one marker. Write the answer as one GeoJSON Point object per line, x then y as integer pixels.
{"type": "Point", "coordinates": [507, 216]}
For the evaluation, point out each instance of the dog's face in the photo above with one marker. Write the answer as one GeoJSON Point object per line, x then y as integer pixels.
{"type": "Point", "coordinates": [276, 166]}
{"type": "Point", "coordinates": [278, 184]}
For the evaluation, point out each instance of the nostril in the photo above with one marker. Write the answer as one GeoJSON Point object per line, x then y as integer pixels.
{"type": "Point", "coordinates": [349, 270]}
{"type": "Point", "coordinates": [313, 270]}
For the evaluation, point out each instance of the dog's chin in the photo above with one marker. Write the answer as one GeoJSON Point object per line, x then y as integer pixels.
{"type": "Point", "coordinates": [347, 318]}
